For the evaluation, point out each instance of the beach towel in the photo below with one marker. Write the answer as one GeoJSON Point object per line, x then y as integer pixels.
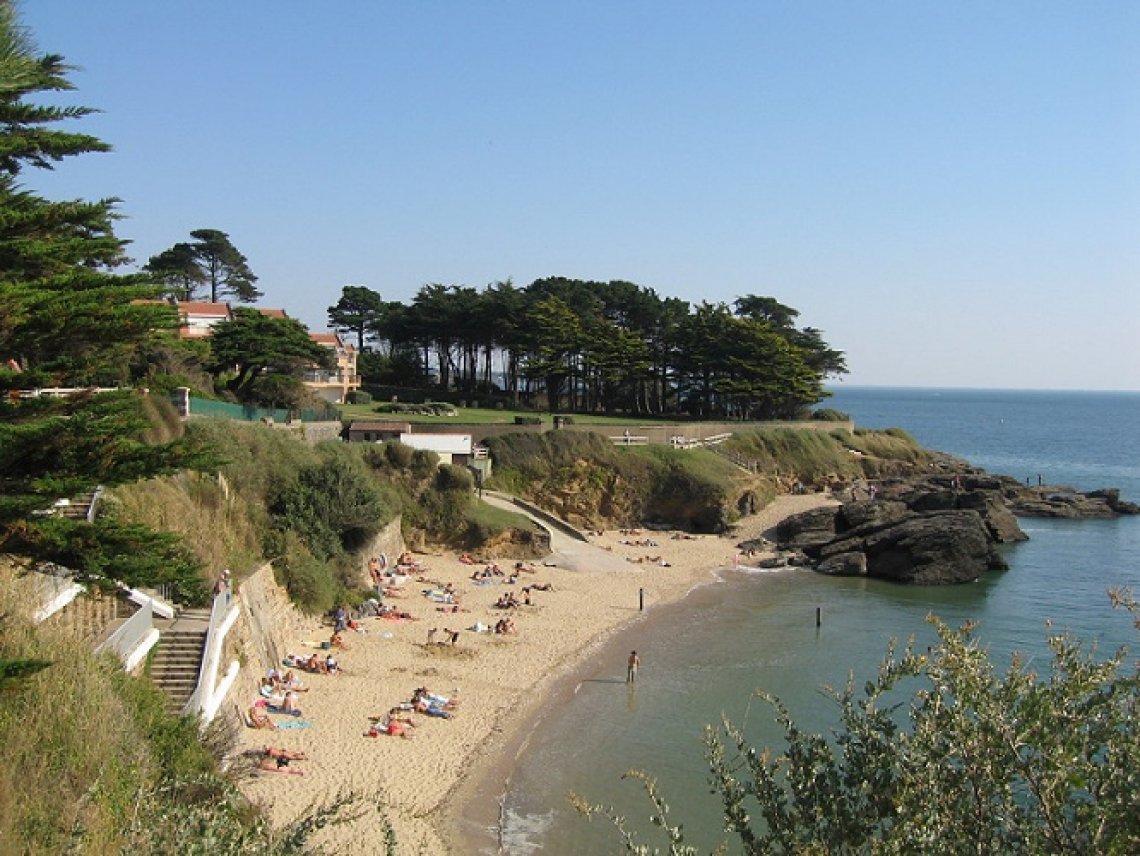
{"type": "Point", "coordinates": [294, 723]}
{"type": "Point", "coordinates": [273, 708]}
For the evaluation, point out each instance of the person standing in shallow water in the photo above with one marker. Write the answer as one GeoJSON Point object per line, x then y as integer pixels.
{"type": "Point", "coordinates": [631, 667]}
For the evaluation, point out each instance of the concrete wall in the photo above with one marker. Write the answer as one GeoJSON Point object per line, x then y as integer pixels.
{"type": "Point", "coordinates": [267, 620]}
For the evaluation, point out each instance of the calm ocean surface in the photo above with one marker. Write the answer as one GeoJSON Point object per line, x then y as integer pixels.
{"type": "Point", "coordinates": [703, 657]}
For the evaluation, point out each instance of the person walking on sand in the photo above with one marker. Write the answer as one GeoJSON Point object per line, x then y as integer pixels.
{"type": "Point", "coordinates": [631, 667]}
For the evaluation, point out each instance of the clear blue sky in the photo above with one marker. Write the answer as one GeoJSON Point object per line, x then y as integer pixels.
{"type": "Point", "coordinates": [950, 191]}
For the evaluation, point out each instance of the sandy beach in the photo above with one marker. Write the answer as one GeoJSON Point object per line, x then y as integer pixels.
{"type": "Point", "coordinates": [499, 681]}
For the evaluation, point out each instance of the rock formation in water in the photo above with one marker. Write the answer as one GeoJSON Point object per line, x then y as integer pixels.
{"type": "Point", "coordinates": [932, 530]}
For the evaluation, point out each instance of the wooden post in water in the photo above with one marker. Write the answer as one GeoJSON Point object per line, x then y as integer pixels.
{"type": "Point", "coordinates": [818, 616]}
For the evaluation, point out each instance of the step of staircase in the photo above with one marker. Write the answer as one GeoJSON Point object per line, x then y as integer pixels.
{"type": "Point", "coordinates": [178, 658]}
{"type": "Point", "coordinates": [78, 507]}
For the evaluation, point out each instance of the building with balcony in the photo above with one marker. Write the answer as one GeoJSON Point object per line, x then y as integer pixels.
{"type": "Point", "coordinates": [334, 385]}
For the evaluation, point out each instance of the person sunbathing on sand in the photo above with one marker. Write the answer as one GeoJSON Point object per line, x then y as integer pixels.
{"type": "Point", "coordinates": [400, 714]}
{"type": "Point", "coordinates": [391, 613]}
{"type": "Point", "coordinates": [505, 626]}
{"type": "Point", "coordinates": [312, 664]}
{"type": "Point", "coordinates": [277, 765]}
{"type": "Point", "coordinates": [258, 718]}
{"type": "Point", "coordinates": [287, 704]}
{"type": "Point", "coordinates": [430, 710]}
{"type": "Point", "coordinates": [291, 682]}
{"type": "Point", "coordinates": [274, 752]}
{"type": "Point", "coordinates": [394, 725]}
{"type": "Point", "coordinates": [426, 695]}
{"type": "Point", "coordinates": [395, 728]}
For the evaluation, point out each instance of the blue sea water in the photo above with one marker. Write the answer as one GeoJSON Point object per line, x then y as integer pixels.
{"type": "Point", "coordinates": [702, 658]}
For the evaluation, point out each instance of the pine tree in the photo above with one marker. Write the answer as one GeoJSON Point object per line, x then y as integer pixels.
{"type": "Point", "coordinates": [67, 319]}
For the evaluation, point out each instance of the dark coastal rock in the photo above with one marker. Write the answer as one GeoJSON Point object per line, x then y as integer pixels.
{"type": "Point", "coordinates": [862, 514]}
{"type": "Point", "coordinates": [807, 529]}
{"type": "Point", "coordinates": [1067, 502]}
{"type": "Point", "coordinates": [933, 500]}
{"type": "Point", "coordinates": [1111, 495]}
{"type": "Point", "coordinates": [1000, 521]}
{"type": "Point", "coordinates": [935, 528]}
{"type": "Point", "coordinates": [940, 548]}
{"type": "Point", "coordinates": [921, 532]}
{"type": "Point", "coordinates": [848, 564]}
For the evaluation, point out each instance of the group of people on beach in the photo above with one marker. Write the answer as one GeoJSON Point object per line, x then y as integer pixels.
{"type": "Point", "coordinates": [398, 721]}
{"type": "Point", "coordinates": [278, 693]}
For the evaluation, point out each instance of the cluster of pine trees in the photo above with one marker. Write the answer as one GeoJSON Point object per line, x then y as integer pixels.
{"type": "Point", "coordinates": [589, 346]}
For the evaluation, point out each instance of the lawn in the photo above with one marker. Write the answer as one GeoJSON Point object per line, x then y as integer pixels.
{"type": "Point", "coordinates": [484, 416]}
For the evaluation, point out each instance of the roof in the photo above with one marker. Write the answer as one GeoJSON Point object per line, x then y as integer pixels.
{"type": "Point", "coordinates": [272, 313]}
{"type": "Point", "coordinates": [386, 427]}
{"type": "Point", "coordinates": [451, 444]}
{"type": "Point", "coordinates": [200, 307]}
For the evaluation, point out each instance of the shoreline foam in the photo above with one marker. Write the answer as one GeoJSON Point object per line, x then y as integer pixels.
{"type": "Point", "coordinates": [434, 786]}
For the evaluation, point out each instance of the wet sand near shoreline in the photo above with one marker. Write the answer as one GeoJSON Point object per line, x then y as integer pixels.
{"type": "Point", "coordinates": [440, 787]}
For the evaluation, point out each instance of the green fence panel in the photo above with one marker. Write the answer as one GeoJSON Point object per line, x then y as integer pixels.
{"type": "Point", "coordinates": [242, 412]}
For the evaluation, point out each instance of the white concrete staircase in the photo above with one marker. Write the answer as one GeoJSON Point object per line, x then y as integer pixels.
{"type": "Point", "coordinates": [178, 658]}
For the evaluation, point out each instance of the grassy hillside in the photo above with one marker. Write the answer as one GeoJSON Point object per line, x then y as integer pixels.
{"type": "Point", "coordinates": [309, 509]}
{"type": "Point", "coordinates": [819, 459]}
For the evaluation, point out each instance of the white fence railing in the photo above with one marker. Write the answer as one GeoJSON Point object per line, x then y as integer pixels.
{"type": "Point", "coordinates": [210, 692]}
{"type": "Point", "coordinates": [134, 638]}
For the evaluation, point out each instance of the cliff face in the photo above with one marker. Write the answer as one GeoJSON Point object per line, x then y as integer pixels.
{"type": "Point", "coordinates": [591, 495]}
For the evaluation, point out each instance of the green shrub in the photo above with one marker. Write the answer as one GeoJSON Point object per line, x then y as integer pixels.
{"type": "Point", "coordinates": [334, 505]}
{"type": "Point", "coordinates": [830, 414]}
{"type": "Point", "coordinates": [424, 463]}
{"type": "Point", "coordinates": [312, 584]}
{"type": "Point", "coordinates": [454, 477]}
{"type": "Point", "coordinates": [359, 396]}
{"type": "Point", "coordinates": [399, 455]}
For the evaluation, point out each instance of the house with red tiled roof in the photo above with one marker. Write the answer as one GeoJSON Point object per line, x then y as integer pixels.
{"type": "Point", "coordinates": [333, 385]}
{"type": "Point", "coordinates": [198, 317]}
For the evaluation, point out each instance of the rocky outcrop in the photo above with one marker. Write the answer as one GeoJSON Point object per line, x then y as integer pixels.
{"type": "Point", "coordinates": [920, 533]}
{"type": "Point", "coordinates": [939, 548]}
{"type": "Point", "coordinates": [1067, 502]}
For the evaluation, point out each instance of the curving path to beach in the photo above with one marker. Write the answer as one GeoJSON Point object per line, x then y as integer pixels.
{"type": "Point", "coordinates": [502, 681]}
